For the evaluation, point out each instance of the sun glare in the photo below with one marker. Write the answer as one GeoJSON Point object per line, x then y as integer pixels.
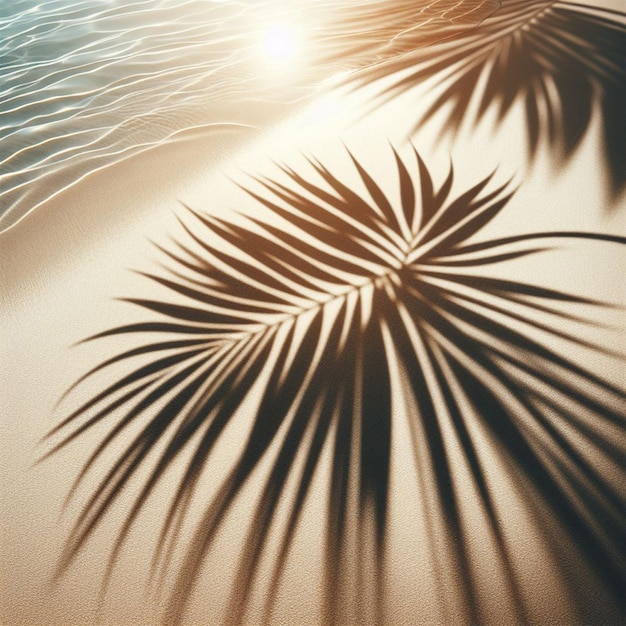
{"type": "Point", "coordinates": [280, 45]}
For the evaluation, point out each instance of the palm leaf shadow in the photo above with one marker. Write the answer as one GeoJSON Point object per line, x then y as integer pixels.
{"type": "Point", "coordinates": [563, 60]}
{"type": "Point", "coordinates": [364, 34]}
{"type": "Point", "coordinates": [323, 302]}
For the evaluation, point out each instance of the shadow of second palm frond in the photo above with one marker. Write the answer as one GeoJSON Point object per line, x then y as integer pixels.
{"type": "Point", "coordinates": [563, 61]}
{"type": "Point", "coordinates": [313, 319]}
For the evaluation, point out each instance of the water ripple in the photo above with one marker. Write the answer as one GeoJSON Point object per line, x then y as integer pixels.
{"type": "Point", "coordinates": [88, 82]}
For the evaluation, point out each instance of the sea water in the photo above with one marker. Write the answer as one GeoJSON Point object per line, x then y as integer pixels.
{"type": "Point", "coordinates": [85, 83]}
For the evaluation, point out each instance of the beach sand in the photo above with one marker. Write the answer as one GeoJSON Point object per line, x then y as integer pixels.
{"type": "Point", "coordinates": [63, 265]}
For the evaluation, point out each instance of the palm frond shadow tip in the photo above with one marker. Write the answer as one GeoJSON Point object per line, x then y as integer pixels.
{"type": "Point", "coordinates": [322, 316]}
{"type": "Point", "coordinates": [563, 61]}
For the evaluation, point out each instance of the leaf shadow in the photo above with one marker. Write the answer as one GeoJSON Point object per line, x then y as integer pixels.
{"type": "Point", "coordinates": [563, 61]}
{"type": "Point", "coordinates": [311, 311]}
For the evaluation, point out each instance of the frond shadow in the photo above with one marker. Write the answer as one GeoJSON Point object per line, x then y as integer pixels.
{"type": "Point", "coordinates": [564, 61]}
{"type": "Point", "coordinates": [366, 34]}
{"type": "Point", "coordinates": [323, 302]}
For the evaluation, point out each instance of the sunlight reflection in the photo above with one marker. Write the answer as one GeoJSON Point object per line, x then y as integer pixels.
{"type": "Point", "coordinates": [281, 45]}
{"type": "Point", "coordinates": [136, 72]}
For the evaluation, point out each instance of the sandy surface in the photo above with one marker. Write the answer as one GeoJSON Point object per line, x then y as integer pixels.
{"type": "Point", "coordinates": [62, 266]}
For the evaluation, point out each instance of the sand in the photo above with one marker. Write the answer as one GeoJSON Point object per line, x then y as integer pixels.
{"type": "Point", "coordinates": [62, 266]}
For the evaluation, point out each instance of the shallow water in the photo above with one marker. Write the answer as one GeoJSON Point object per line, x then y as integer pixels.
{"type": "Point", "coordinates": [86, 83]}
